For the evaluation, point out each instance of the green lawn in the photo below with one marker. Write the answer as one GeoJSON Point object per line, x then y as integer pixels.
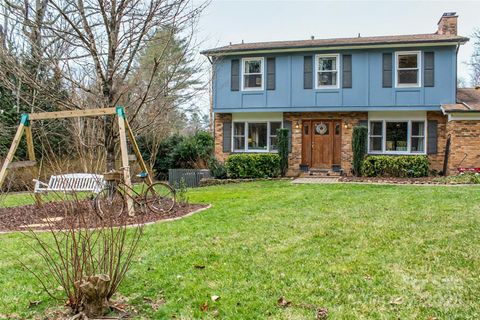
{"type": "Point", "coordinates": [361, 251]}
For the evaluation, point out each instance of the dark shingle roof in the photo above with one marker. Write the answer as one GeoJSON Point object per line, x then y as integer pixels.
{"type": "Point", "coordinates": [336, 42]}
{"type": "Point", "coordinates": [468, 100]}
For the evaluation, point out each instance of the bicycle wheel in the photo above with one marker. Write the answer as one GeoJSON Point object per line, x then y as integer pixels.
{"type": "Point", "coordinates": [109, 202]}
{"type": "Point", "coordinates": [160, 197]}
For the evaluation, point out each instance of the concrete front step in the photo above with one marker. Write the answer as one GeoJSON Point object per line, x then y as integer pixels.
{"type": "Point", "coordinates": [320, 174]}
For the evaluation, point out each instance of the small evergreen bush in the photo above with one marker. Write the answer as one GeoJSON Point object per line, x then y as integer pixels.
{"type": "Point", "coordinates": [413, 166]}
{"type": "Point", "coordinates": [217, 169]}
{"type": "Point", "coordinates": [282, 136]}
{"type": "Point", "coordinates": [359, 146]}
{"type": "Point", "coordinates": [254, 165]}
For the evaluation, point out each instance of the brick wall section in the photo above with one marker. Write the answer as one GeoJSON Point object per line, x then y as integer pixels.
{"type": "Point", "coordinates": [436, 160]}
{"type": "Point", "coordinates": [349, 118]}
{"type": "Point", "coordinates": [465, 140]}
{"type": "Point", "coordinates": [219, 119]}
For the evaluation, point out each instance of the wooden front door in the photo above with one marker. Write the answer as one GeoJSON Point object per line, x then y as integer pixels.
{"type": "Point", "coordinates": [321, 143]}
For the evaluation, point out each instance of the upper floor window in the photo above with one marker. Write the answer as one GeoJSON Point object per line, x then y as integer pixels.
{"type": "Point", "coordinates": [327, 66]}
{"type": "Point", "coordinates": [408, 68]}
{"type": "Point", "coordinates": [252, 78]}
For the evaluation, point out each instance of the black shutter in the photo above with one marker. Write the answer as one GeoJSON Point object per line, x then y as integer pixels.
{"type": "Point", "coordinates": [288, 125]}
{"type": "Point", "coordinates": [387, 70]}
{"type": "Point", "coordinates": [347, 71]}
{"type": "Point", "coordinates": [235, 75]}
{"type": "Point", "coordinates": [227, 137]}
{"type": "Point", "coordinates": [307, 72]}
{"type": "Point", "coordinates": [429, 70]}
{"type": "Point", "coordinates": [432, 136]}
{"type": "Point", "coordinates": [270, 73]}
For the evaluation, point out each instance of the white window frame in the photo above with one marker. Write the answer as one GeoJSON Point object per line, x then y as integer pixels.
{"type": "Point", "coordinates": [262, 73]}
{"type": "Point", "coordinates": [246, 149]}
{"type": "Point", "coordinates": [418, 68]}
{"type": "Point", "coordinates": [337, 70]}
{"type": "Point", "coordinates": [238, 135]}
{"type": "Point", "coordinates": [409, 137]}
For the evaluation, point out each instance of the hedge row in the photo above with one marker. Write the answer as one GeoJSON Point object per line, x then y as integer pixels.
{"type": "Point", "coordinates": [395, 166]}
{"type": "Point", "coordinates": [255, 165]}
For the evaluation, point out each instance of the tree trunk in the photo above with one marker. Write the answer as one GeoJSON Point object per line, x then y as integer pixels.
{"type": "Point", "coordinates": [108, 128]}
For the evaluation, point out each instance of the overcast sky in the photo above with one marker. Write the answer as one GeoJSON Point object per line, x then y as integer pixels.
{"type": "Point", "coordinates": [227, 21]}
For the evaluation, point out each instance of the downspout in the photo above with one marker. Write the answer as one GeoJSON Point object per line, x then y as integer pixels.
{"type": "Point", "coordinates": [456, 70]}
{"type": "Point", "coordinates": [212, 126]}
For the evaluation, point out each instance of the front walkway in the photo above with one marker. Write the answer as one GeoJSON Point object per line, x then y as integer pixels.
{"type": "Point", "coordinates": [317, 180]}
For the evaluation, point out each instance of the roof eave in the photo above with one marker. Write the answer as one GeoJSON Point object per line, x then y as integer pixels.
{"type": "Point", "coordinates": [215, 52]}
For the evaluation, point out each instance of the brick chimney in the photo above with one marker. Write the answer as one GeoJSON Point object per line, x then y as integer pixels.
{"type": "Point", "coordinates": [447, 24]}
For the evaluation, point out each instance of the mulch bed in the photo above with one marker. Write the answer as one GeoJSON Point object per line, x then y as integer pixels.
{"type": "Point", "coordinates": [78, 214]}
{"type": "Point", "coordinates": [424, 180]}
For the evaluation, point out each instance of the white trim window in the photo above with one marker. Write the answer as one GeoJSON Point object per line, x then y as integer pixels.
{"type": "Point", "coordinates": [327, 74]}
{"type": "Point", "coordinates": [407, 69]}
{"type": "Point", "coordinates": [252, 74]}
{"type": "Point", "coordinates": [397, 136]}
{"type": "Point", "coordinates": [255, 136]}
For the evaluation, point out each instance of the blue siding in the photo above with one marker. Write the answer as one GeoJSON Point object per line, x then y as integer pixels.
{"type": "Point", "coordinates": [366, 93]}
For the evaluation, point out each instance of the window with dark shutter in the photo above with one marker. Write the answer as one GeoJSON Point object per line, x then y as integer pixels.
{"type": "Point", "coordinates": [387, 70]}
{"type": "Point", "coordinates": [270, 73]}
{"type": "Point", "coordinates": [429, 71]}
{"type": "Point", "coordinates": [235, 75]}
{"type": "Point", "coordinates": [347, 71]}
{"type": "Point", "coordinates": [288, 125]}
{"type": "Point", "coordinates": [307, 72]}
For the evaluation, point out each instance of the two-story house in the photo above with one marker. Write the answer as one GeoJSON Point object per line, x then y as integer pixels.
{"type": "Point", "coordinates": [402, 87]}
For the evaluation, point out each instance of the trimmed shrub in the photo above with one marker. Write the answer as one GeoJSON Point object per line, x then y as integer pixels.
{"type": "Point", "coordinates": [414, 166]}
{"type": "Point", "coordinates": [282, 136]}
{"type": "Point", "coordinates": [217, 169]}
{"type": "Point", "coordinates": [254, 165]}
{"type": "Point", "coordinates": [359, 147]}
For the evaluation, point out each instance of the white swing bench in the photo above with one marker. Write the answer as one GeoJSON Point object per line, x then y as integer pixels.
{"type": "Point", "coordinates": [72, 182]}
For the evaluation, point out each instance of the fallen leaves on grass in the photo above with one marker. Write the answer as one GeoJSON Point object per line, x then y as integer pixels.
{"type": "Point", "coordinates": [32, 304]}
{"type": "Point", "coordinates": [215, 298]}
{"type": "Point", "coordinates": [204, 307]}
{"type": "Point", "coordinates": [396, 301]}
{"type": "Point", "coordinates": [322, 313]}
{"type": "Point", "coordinates": [199, 266]}
{"type": "Point", "coordinates": [282, 302]}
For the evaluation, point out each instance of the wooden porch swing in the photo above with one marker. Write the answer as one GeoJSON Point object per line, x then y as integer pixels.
{"type": "Point", "coordinates": [123, 127]}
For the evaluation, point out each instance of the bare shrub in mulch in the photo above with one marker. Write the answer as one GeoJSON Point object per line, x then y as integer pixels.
{"type": "Point", "coordinates": [85, 255]}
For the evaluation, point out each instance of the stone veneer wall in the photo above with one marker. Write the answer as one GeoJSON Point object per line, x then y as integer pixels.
{"type": "Point", "coordinates": [218, 134]}
{"type": "Point", "coordinates": [465, 140]}
{"type": "Point", "coordinates": [348, 118]}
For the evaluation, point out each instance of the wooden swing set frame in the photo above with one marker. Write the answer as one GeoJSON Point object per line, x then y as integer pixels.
{"type": "Point", "coordinates": [123, 128]}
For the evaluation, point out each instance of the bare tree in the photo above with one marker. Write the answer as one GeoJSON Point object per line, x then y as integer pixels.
{"type": "Point", "coordinates": [93, 47]}
{"type": "Point", "coordinates": [475, 60]}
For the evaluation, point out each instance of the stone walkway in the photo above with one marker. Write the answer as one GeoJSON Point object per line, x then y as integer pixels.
{"type": "Point", "coordinates": [316, 180]}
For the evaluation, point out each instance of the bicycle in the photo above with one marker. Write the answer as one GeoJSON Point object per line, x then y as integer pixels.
{"type": "Point", "coordinates": [158, 197]}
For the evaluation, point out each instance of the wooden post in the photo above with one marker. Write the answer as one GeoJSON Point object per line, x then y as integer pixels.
{"type": "Point", "coordinates": [125, 164]}
{"type": "Point", "coordinates": [137, 152]}
{"type": "Point", "coordinates": [24, 121]}
{"type": "Point", "coordinates": [31, 157]}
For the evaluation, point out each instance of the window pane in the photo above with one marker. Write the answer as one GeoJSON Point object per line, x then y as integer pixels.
{"type": "Point", "coordinates": [238, 143]}
{"type": "Point", "coordinates": [418, 144]}
{"type": "Point", "coordinates": [305, 129]}
{"type": "Point", "coordinates": [407, 61]}
{"type": "Point", "coordinates": [257, 136]}
{"type": "Point", "coordinates": [396, 139]}
{"type": "Point", "coordinates": [407, 76]}
{"type": "Point", "coordinates": [337, 129]}
{"type": "Point", "coordinates": [253, 81]}
{"type": "Point", "coordinates": [273, 128]}
{"type": "Point", "coordinates": [327, 63]}
{"type": "Point", "coordinates": [418, 128]}
{"type": "Point", "coordinates": [253, 66]}
{"type": "Point", "coordinates": [376, 128]}
{"type": "Point", "coordinates": [327, 78]}
{"type": "Point", "coordinates": [273, 143]}
{"type": "Point", "coordinates": [239, 129]}
{"type": "Point", "coordinates": [375, 143]}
